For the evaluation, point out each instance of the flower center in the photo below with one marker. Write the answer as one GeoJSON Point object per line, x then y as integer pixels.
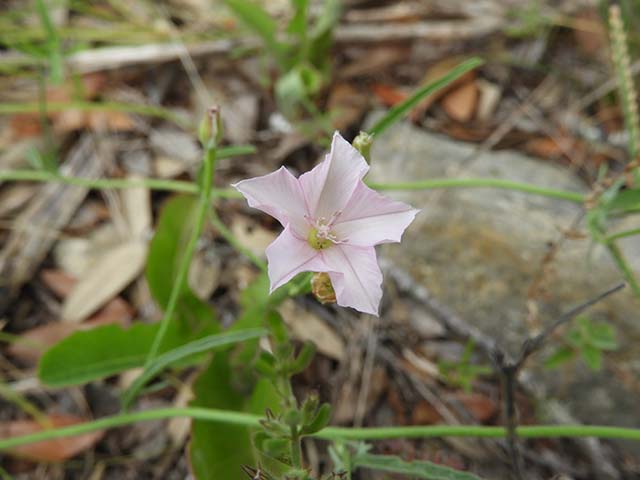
{"type": "Point", "coordinates": [321, 233]}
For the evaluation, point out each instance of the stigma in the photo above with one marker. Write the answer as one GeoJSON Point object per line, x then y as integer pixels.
{"type": "Point", "coordinates": [321, 235]}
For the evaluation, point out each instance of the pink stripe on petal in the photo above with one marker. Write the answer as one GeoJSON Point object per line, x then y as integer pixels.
{"type": "Point", "coordinates": [330, 184]}
{"type": "Point", "coordinates": [278, 194]}
{"type": "Point", "coordinates": [288, 255]}
{"type": "Point", "coordinates": [371, 219]}
{"type": "Point", "coordinates": [356, 277]}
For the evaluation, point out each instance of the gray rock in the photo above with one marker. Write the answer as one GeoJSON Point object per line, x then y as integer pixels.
{"type": "Point", "coordinates": [480, 251]}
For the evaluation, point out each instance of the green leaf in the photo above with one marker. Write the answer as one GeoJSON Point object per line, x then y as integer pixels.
{"type": "Point", "coordinates": [298, 24]}
{"type": "Point", "coordinates": [320, 421]}
{"type": "Point", "coordinates": [321, 37]}
{"type": "Point", "coordinates": [176, 223]}
{"type": "Point", "coordinates": [218, 450]}
{"type": "Point", "coordinates": [419, 469]}
{"type": "Point", "coordinates": [54, 49]}
{"type": "Point", "coordinates": [603, 336]}
{"type": "Point", "coordinates": [397, 112]}
{"type": "Point", "coordinates": [103, 351]}
{"type": "Point", "coordinates": [560, 356]}
{"type": "Point", "coordinates": [592, 357]}
{"type": "Point", "coordinates": [190, 349]}
{"type": "Point", "coordinates": [258, 20]}
{"type": "Point", "coordinates": [296, 87]}
{"type": "Point", "coordinates": [626, 201]}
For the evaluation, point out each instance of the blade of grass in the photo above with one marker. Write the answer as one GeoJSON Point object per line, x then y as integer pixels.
{"type": "Point", "coordinates": [198, 346]}
{"type": "Point", "coordinates": [54, 45]}
{"type": "Point", "coordinates": [258, 20]}
{"type": "Point", "coordinates": [397, 112]}
{"type": "Point", "coordinates": [329, 433]}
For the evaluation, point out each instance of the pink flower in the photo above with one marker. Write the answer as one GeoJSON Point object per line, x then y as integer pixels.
{"type": "Point", "coordinates": [332, 222]}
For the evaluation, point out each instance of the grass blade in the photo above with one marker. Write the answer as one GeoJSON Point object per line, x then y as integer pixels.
{"type": "Point", "coordinates": [397, 112]}
{"type": "Point", "coordinates": [197, 346]}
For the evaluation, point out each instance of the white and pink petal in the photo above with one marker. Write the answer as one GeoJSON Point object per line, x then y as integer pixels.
{"type": "Point", "coordinates": [371, 219]}
{"type": "Point", "coordinates": [279, 195]}
{"type": "Point", "coordinates": [356, 277]}
{"type": "Point", "coordinates": [288, 256]}
{"type": "Point", "coordinates": [328, 187]}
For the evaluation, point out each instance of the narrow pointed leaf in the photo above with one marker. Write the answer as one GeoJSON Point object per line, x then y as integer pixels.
{"type": "Point", "coordinates": [397, 112]}
{"type": "Point", "coordinates": [417, 469]}
{"type": "Point", "coordinates": [201, 345]}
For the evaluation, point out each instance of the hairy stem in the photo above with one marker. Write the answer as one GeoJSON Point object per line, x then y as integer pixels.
{"type": "Point", "coordinates": [623, 266]}
{"type": "Point", "coordinates": [183, 271]}
{"type": "Point", "coordinates": [190, 187]}
{"type": "Point", "coordinates": [329, 433]}
{"type": "Point", "coordinates": [481, 183]}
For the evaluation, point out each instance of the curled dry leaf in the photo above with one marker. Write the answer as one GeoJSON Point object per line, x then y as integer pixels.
{"type": "Point", "coordinates": [481, 407]}
{"type": "Point", "coordinates": [460, 104]}
{"type": "Point", "coordinates": [107, 277]}
{"type": "Point", "coordinates": [436, 71]}
{"type": "Point", "coordinates": [57, 450]}
{"type": "Point", "coordinates": [388, 94]}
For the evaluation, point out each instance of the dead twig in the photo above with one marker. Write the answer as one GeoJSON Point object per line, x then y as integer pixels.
{"type": "Point", "coordinates": [509, 369]}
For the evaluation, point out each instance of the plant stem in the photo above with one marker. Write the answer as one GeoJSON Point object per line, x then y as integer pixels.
{"type": "Point", "coordinates": [185, 263]}
{"type": "Point", "coordinates": [481, 183]}
{"type": "Point", "coordinates": [623, 266]}
{"type": "Point", "coordinates": [190, 187]}
{"type": "Point", "coordinates": [329, 433]}
{"type": "Point", "coordinates": [627, 233]}
{"type": "Point", "coordinates": [234, 242]}
{"type": "Point", "coordinates": [23, 404]}
{"type": "Point", "coordinates": [296, 451]}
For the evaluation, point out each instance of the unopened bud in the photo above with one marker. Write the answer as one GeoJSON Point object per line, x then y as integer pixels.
{"type": "Point", "coordinates": [363, 143]}
{"type": "Point", "coordinates": [210, 128]}
{"type": "Point", "coordinates": [322, 288]}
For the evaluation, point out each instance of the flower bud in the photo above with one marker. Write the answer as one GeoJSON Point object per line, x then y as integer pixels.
{"type": "Point", "coordinates": [363, 143]}
{"type": "Point", "coordinates": [210, 129]}
{"type": "Point", "coordinates": [322, 288]}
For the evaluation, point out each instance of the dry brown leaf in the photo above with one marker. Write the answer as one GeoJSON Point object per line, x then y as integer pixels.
{"type": "Point", "coordinates": [25, 125]}
{"type": "Point", "coordinates": [33, 343]}
{"type": "Point", "coordinates": [388, 94]}
{"type": "Point", "coordinates": [136, 203]}
{"type": "Point", "coordinates": [481, 407]}
{"type": "Point", "coordinates": [544, 147]}
{"type": "Point", "coordinates": [58, 281]}
{"type": "Point", "coordinates": [460, 104]}
{"type": "Point", "coordinates": [424, 414]}
{"type": "Point", "coordinates": [29, 124]}
{"type": "Point", "coordinates": [72, 120]}
{"type": "Point", "coordinates": [490, 94]}
{"type": "Point", "coordinates": [436, 71]}
{"type": "Point", "coordinates": [57, 450]}
{"type": "Point", "coordinates": [307, 326]}
{"type": "Point", "coordinates": [110, 273]}
{"type": "Point", "coordinates": [590, 33]}
{"type": "Point", "coordinates": [111, 121]}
